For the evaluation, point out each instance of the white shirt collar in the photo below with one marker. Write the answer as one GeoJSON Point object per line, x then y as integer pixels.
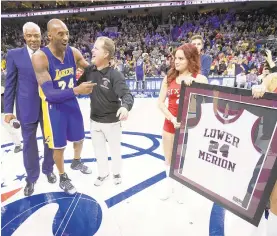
{"type": "Point", "coordinates": [30, 51]}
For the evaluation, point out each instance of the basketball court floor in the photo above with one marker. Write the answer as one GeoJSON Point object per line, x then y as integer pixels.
{"type": "Point", "coordinates": [130, 209]}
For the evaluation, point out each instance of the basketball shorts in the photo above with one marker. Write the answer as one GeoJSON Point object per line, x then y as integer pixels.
{"type": "Point", "coordinates": [61, 123]}
{"type": "Point", "coordinates": [140, 77]}
{"type": "Point", "coordinates": [169, 127]}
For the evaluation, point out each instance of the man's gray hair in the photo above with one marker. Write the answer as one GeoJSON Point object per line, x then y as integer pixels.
{"type": "Point", "coordinates": [30, 25]}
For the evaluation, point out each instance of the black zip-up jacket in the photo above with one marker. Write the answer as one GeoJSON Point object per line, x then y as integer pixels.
{"type": "Point", "coordinates": [110, 93]}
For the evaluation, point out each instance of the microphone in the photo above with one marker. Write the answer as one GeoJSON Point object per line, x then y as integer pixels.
{"type": "Point", "coordinates": [15, 123]}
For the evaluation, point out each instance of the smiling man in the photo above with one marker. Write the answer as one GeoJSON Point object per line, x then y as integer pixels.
{"type": "Point", "coordinates": [55, 68]}
{"type": "Point", "coordinates": [206, 60]}
{"type": "Point", "coordinates": [21, 85]}
{"type": "Point", "coordinates": [110, 104]}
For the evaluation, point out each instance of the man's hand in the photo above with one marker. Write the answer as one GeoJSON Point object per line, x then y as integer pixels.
{"type": "Point", "coordinates": [269, 58]}
{"type": "Point", "coordinates": [9, 117]}
{"type": "Point", "coordinates": [84, 88]}
{"type": "Point", "coordinates": [266, 71]}
{"type": "Point", "coordinates": [258, 91]}
{"type": "Point", "coordinates": [268, 55]}
{"type": "Point", "coordinates": [122, 112]}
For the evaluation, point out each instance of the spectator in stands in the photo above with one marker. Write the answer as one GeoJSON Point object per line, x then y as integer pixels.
{"type": "Point", "coordinates": [206, 61]}
{"type": "Point", "coordinates": [245, 66]}
{"type": "Point", "coordinates": [214, 66]}
{"type": "Point", "coordinates": [164, 68]}
{"type": "Point", "coordinates": [263, 74]}
{"type": "Point", "coordinates": [222, 67]}
{"type": "Point", "coordinates": [241, 80]}
{"type": "Point", "coordinates": [231, 68]}
{"type": "Point", "coordinates": [251, 78]}
{"type": "Point", "coordinates": [225, 35]}
{"type": "Point", "coordinates": [3, 62]}
{"type": "Point", "coordinates": [79, 72]}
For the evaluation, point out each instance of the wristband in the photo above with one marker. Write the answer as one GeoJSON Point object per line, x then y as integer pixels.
{"type": "Point", "coordinates": [56, 95]}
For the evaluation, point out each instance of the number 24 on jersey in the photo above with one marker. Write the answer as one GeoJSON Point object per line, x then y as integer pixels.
{"type": "Point", "coordinates": [62, 84]}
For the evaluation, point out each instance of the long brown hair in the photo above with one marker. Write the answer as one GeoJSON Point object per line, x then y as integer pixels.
{"type": "Point", "coordinates": [193, 58]}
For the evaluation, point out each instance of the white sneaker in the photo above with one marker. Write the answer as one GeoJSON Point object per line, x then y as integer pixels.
{"type": "Point", "coordinates": [166, 189]}
{"type": "Point", "coordinates": [179, 193]}
{"type": "Point", "coordinates": [117, 179]}
{"type": "Point", "coordinates": [100, 180]}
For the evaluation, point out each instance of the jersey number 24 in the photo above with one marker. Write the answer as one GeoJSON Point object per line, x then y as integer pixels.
{"type": "Point", "coordinates": [62, 84]}
{"type": "Point", "coordinates": [214, 146]}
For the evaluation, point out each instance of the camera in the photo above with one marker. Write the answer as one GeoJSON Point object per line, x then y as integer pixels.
{"type": "Point", "coordinates": [270, 44]}
{"type": "Point", "coordinates": [263, 52]}
{"type": "Point", "coordinates": [175, 44]}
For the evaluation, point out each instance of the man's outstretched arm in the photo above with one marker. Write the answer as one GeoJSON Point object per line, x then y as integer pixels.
{"type": "Point", "coordinates": [40, 65]}
{"type": "Point", "coordinates": [79, 59]}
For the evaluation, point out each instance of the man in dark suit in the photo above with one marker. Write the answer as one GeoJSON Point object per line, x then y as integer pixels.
{"type": "Point", "coordinates": [22, 86]}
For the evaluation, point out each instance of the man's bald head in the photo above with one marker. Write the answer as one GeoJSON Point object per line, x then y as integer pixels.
{"type": "Point", "coordinates": [55, 23]}
{"type": "Point", "coordinates": [58, 34]}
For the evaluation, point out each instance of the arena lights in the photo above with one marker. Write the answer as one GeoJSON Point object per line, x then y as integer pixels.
{"type": "Point", "coordinates": [117, 7]}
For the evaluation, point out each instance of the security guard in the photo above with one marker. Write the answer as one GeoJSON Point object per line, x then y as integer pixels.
{"type": "Point", "coordinates": [111, 101]}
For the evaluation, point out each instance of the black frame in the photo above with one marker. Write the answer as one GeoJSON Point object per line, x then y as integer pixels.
{"type": "Point", "coordinates": [273, 174]}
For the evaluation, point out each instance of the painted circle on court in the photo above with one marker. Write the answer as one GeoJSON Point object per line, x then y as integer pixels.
{"type": "Point", "coordinates": [77, 214]}
{"type": "Point", "coordinates": [140, 151]}
{"type": "Point", "coordinates": [217, 216]}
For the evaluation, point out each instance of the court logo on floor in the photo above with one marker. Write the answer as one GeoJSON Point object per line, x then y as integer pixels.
{"type": "Point", "coordinates": [52, 214]}
{"type": "Point", "coordinates": [57, 213]}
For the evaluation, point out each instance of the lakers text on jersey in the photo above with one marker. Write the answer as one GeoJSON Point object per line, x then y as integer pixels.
{"type": "Point", "coordinates": [61, 121]}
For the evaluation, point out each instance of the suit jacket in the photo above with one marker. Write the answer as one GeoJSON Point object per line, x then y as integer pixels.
{"type": "Point", "coordinates": [206, 62]}
{"type": "Point", "coordinates": [21, 86]}
{"type": "Point", "coordinates": [3, 82]}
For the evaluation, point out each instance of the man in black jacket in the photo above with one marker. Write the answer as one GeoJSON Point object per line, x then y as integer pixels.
{"type": "Point", "coordinates": [111, 101]}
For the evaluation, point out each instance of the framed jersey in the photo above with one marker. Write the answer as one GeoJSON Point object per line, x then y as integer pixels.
{"type": "Point", "coordinates": [226, 149]}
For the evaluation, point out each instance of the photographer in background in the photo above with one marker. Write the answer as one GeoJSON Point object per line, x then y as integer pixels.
{"type": "Point", "coordinates": [270, 64]}
{"type": "Point", "coordinates": [14, 124]}
{"type": "Point", "coordinates": [270, 67]}
{"type": "Point", "coordinates": [265, 72]}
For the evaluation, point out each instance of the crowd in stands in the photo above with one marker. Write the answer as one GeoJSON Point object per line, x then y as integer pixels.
{"type": "Point", "coordinates": [230, 39]}
{"type": "Point", "coordinates": [17, 6]}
